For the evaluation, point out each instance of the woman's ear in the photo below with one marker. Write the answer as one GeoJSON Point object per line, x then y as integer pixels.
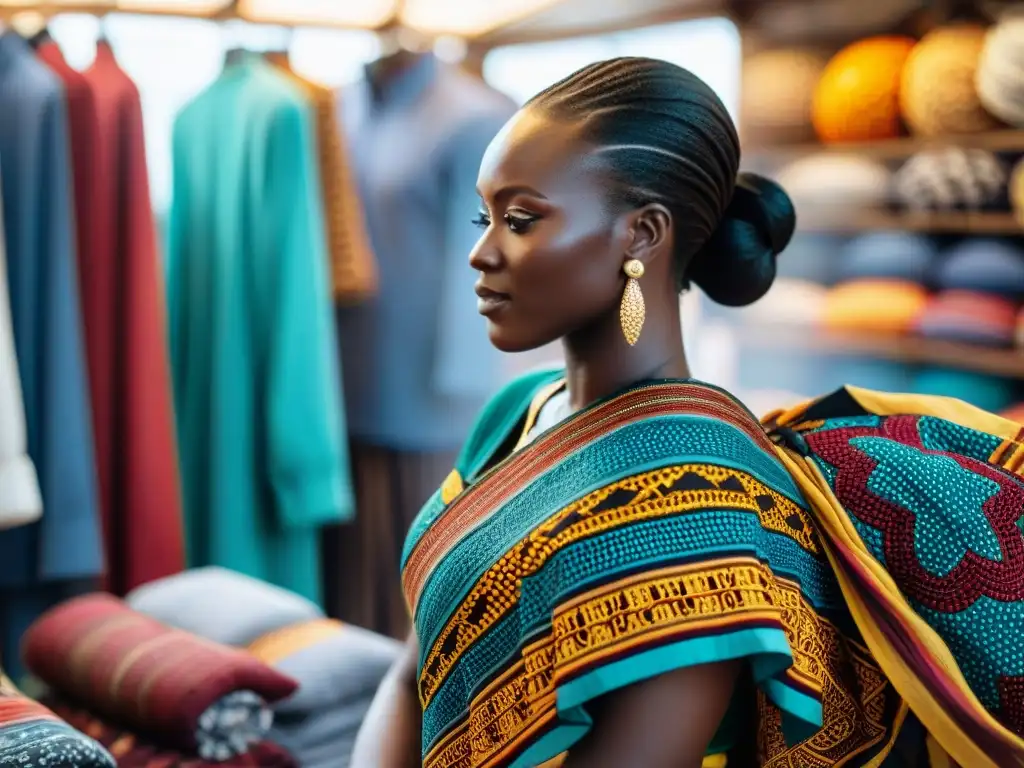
{"type": "Point", "coordinates": [651, 230]}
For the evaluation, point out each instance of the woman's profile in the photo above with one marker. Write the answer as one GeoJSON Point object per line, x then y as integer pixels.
{"type": "Point", "coordinates": [625, 567]}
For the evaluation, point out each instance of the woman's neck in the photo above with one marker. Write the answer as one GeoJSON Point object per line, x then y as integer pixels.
{"type": "Point", "coordinates": [599, 362]}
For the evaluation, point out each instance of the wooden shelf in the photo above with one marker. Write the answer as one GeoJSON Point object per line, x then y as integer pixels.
{"type": "Point", "coordinates": [991, 224]}
{"type": "Point", "coordinates": [906, 349]}
{"type": "Point", "coordinates": [891, 149]}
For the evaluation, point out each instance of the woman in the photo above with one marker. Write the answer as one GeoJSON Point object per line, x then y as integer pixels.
{"type": "Point", "coordinates": [623, 569]}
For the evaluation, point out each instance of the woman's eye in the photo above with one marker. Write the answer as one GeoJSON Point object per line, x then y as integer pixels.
{"type": "Point", "coordinates": [519, 224]}
{"type": "Point", "coordinates": [482, 220]}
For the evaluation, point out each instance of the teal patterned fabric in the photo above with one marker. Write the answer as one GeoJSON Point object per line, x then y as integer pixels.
{"type": "Point", "coordinates": [663, 542]}
{"type": "Point", "coordinates": [948, 524]}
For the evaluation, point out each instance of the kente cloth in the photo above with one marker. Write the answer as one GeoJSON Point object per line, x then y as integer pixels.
{"type": "Point", "coordinates": [32, 736]}
{"type": "Point", "coordinates": [196, 695]}
{"type": "Point", "coordinates": [654, 530]}
{"type": "Point", "coordinates": [920, 504]}
{"type": "Point", "coordinates": [130, 751]}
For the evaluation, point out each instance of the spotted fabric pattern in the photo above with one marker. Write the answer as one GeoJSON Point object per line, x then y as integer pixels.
{"type": "Point", "coordinates": [948, 524]}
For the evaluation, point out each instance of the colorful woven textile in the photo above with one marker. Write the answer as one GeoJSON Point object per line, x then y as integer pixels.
{"type": "Point", "coordinates": [133, 752]}
{"type": "Point", "coordinates": [136, 672]}
{"type": "Point", "coordinates": [654, 530]}
{"type": "Point", "coordinates": [32, 736]}
{"type": "Point", "coordinates": [921, 504]}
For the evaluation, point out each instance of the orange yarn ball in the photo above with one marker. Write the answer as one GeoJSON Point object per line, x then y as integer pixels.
{"type": "Point", "coordinates": [858, 95]}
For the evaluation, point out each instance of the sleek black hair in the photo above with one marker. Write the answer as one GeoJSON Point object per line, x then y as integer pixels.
{"type": "Point", "coordinates": [669, 139]}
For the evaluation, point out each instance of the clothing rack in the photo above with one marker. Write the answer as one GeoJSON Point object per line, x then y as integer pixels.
{"type": "Point", "coordinates": [381, 16]}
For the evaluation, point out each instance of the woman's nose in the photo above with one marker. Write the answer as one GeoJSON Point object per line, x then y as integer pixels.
{"type": "Point", "coordinates": [485, 256]}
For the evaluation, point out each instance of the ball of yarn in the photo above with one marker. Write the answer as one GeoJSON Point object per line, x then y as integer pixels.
{"type": "Point", "coordinates": [937, 94]}
{"type": "Point", "coordinates": [857, 97]}
{"type": "Point", "coordinates": [984, 265]}
{"type": "Point", "coordinates": [969, 317]}
{"type": "Point", "coordinates": [892, 255]}
{"type": "Point", "coordinates": [840, 184]}
{"type": "Point", "coordinates": [778, 86]}
{"type": "Point", "coordinates": [1016, 190]}
{"type": "Point", "coordinates": [1000, 76]}
{"type": "Point", "coordinates": [950, 178]}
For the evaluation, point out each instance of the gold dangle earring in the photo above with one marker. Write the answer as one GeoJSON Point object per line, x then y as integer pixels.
{"type": "Point", "coordinates": [632, 310]}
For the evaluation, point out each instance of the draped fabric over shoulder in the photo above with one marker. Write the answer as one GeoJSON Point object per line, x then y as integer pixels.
{"type": "Point", "coordinates": [654, 530]}
{"type": "Point", "coordinates": [920, 503]}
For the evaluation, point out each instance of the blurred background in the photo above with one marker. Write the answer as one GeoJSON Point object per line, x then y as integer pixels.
{"type": "Point", "coordinates": [237, 325]}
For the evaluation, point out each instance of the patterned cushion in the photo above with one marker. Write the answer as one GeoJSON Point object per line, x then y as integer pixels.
{"type": "Point", "coordinates": [133, 752]}
{"type": "Point", "coordinates": [137, 672]}
{"type": "Point", "coordinates": [221, 605]}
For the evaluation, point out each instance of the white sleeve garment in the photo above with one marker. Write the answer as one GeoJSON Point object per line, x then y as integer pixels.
{"type": "Point", "coordinates": [20, 501]}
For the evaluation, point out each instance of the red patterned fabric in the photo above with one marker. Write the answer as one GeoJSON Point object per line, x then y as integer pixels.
{"type": "Point", "coordinates": [136, 672]}
{"type": "Point", "coordinates": [132, 752]}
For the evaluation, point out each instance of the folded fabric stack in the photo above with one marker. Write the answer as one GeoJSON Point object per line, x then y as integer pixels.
{"type": "Point", "coordinates": [33, 735]}
{"type": "Point", "coordinates": [180, 691]}
{"type": "Point", "coordinates": [338, 667]}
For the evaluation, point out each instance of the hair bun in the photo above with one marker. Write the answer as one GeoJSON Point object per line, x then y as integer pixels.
{"type": "Point", "coordinates": [736, 266]}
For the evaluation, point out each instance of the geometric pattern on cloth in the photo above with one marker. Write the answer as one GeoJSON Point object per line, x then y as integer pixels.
{"type": "Point", "coordinates": [132, 751]}
{"type": "Point", "coordinates": [232, 724]}
{"type": "Point", "coordinates": [935, 504]}
{"type": "Point", "coordinates": [32, 736]}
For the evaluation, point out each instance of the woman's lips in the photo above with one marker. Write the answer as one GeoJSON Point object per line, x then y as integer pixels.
{"type": "Point", "coordinates": [489, 302]}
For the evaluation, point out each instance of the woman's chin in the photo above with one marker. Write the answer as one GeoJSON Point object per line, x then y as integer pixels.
{"type": "Point", "coordinates": [505, 339]}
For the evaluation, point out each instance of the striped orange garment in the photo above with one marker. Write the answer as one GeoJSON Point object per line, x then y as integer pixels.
{"type": "Point", "coordinates": [353, 266]}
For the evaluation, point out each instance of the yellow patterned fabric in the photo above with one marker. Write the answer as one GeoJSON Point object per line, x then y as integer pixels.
{"type": "Point", "coordinates": [652, 531]}
{"type": "Point", "coordinates": [353, 266]}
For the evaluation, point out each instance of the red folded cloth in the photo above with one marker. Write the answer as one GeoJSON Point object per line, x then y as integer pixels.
{"type": "Point", "coordinates": [132, 752]}
{"type": "Point", "coordinates": [133, 671]}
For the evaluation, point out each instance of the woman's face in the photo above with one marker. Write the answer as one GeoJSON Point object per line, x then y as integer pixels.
{"type": "Point", "coordinates": [550, 255]}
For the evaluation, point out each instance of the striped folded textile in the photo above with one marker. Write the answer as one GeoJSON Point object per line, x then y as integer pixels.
{"type": "Point", "coordinates": [131, 751]}
{"type": "Point", "coordinates": [185, 692]}
{"type": "Point", "coordinates": [32, 735]}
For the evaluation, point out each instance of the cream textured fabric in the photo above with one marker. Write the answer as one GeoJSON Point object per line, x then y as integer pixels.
{"type": "Point", "coordinates": [20, 502]}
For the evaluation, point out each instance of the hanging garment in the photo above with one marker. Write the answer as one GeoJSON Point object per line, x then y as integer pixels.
{"type": "Point", "coordinates": [126, 334]}
{"type": "Point", "coordinates": [417, 361]}
{"type": "Point", "coordinates": [353, 268]}
{"type": "Point", "coordinates": [254, 357]}
{"type": "Point", "coordinates": [20, 503]}
{"type": "Point", "coordinates": [65, 545]}
{"type": "Point", "coordinates": [416, 358]}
